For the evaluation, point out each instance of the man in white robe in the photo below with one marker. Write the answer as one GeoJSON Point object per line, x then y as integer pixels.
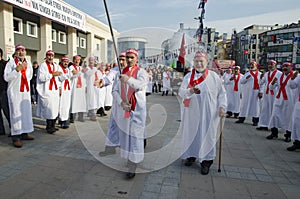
{"type": "Point", "coordinates": [268, 96]}
{"type": "Point", "coordinates": [251, 95]}
{"type": "Point", "coordinates": [204, 102]}
{"type": "Point", "coordinates": [78, 87]}
{"type": "Point", "coordinates": [102, 91]}
{"type": "Point", "coordinates": [92, 76]}
{"type": "Point", "coordinates": [130, 94]}
{"type": "Point", "coordinates": [112, 137]}
{"type": "Point", "coordinates": [295, 84]}
{"type": "Point", "coordinates": [17, 73]}
{"type": "Point", "coordinates": [48, 91]}
{"type": "Point", "coordinates": [65, 94]}
{"type": "Point", "coordinates": [283, 106]}
{"type": "Point", "coordinates": [166, 79]}
{"type": "Point", "coordinates": [233, 92]}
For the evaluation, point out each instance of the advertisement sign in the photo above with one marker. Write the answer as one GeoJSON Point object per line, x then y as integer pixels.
{"type": "Point", "coordinates": [56, 10]}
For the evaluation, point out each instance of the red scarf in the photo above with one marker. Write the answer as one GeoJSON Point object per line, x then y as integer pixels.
{"type": "Point", "coordinates": [168, 75]}
{"type": "Point", "coordinates": [79, 82]}
{"type": "Point", "coordinates": [255, 76]}
{"type": "Point", "coordinates": [24, 81]}
{"type": "Point", "coordinates": [52, 80]}
{"type": "Point", "coordinates": [236, 82]}
{"type": "Point", "coordinates": [283, 84]}
{"type": "Point", "coordinates": [130, 92]}
{"type": "Point", "coordinates": [67, 83]}
{"type": "Point", "coordinates": [270, 78]}
{"type": "Point", "coordinates": [193, 83]}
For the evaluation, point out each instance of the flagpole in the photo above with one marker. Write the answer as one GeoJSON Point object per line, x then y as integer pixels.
{"type": "Point", "coordinates": [112, 35]}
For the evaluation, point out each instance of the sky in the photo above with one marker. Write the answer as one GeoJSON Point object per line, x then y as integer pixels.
{"type": "Point", "coordinates": [224, 15]}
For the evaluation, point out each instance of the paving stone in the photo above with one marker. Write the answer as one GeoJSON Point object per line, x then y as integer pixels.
{"type": "Point", "coordinates": [233, 175]}
{"type": "Point", "coordinates": [264, 178]}
{"type": "Point", "coordinates": [148, 195]}
{"type": "Point", "coordinates": [152, 188]}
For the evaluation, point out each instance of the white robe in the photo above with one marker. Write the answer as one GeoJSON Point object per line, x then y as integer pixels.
{"type": "Point", "coordinates": [19, 102]}
{"type": "Point", "coordinates": [132, 129]}
{"type": "Point", "coordinates": [227, 86]}
{"type": "Point", "coordinates": [78, 98]}
{"type": "Point", "coordinates": [48, 100]}
{"type": "Point", "coordinates": [166, 81]}
{"type": "Point", "coordinates": [201, 121]}
{"type": "Point", "coordinates": [112, 137]}
{"type": "Point", "coordinates": [268, 100]}
{"type": "Point", "coordinates": [149, 86]}
{"type": "Point", "coordinates": [295, 84]}
{"type": "Point", "coordinates": [250, 103]}
{"type": "Point", "coordinates": [92, 91]}
{"type": "Point", "coordinates": [65, 98]}
{"type": "Point", "coordinates": [102, 93]}
{"type": "Point", "coordinates": [233, 97]}
{"type": "Point", "coordinates": [282, 109]}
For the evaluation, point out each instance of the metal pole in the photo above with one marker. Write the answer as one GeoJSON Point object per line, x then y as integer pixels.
{"type": "Point", "coordinates": [112, 34]}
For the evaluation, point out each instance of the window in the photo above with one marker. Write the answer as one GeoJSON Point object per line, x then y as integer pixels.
{"type": "Point", "coordinates": [54, 35]}
{"type": "Point", "coordinates": [82, 43]}
{"type": "Point", "coordinates": [32, 29]}
{"type": "Point", "coordinates": [62, 37]}
{"type": "Point", "coordinates": [98, 47]}
{"type": "Point", "coordinates": [18, 25]}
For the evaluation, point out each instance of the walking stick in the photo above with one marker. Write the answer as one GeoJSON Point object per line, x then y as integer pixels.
{"type": "Point", "coordinates": [112, 35]}
{"type": "Point", "coordinates": [220, 144]}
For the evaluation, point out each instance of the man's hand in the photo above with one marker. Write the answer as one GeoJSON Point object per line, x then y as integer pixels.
{"type": "Point", "coordinates": [295, 75]}
{"type": "Point", "coordinates": [126, 106]}
{"type": "Point", "coordinates": [56, 73]}
{"type": "Point", "coordinates": [260, 95]}
{"type": "Point", "coordinates": [222, 112]}
{"type": "Point", "coordinates": [248, 76]}
{"type": "Point", "coordinates": [19, 67]}
{"type": "Point", "coordinates": [274, 81]}
{"type": "Point", "coordinates": [74, 72]}
{"type": "Point", "coordinates": [195, 90]}
{"type": "Point", "coordinates": [124, 78]}
{"type": "Point", "coordinates": [262, 75]}
{"type": "Point", "coordinates": [231, 78]}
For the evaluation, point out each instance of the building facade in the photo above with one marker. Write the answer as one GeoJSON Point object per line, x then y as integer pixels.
{"type": "Point", "coordinates": [282, 45]}
{"type": "Point", "coordinates": [55, 25]}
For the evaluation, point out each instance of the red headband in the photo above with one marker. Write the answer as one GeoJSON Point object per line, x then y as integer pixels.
{"type": "Point", "coordinates": [287, 64]}
{"type": "Point", "coordinates": [76, 57]}
{"type": "Point", "coordinates": [19, 46]}
{"type": "Point", "coordinates": [65, 58]}
{"type": "Point", "coordinates": [132, 51]}
{"type": "Point", "coordinates": [122, 54]}
{"type": "Point", "coordinates": [50, 52]}
{"type": "Point", "coordinates": [199, 54]}
{"type": "Point", "coordinates": [272, 62]}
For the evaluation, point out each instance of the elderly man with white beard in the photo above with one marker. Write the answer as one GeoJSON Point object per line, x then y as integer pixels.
{"type": "Point", "coordinates": [204, 102]}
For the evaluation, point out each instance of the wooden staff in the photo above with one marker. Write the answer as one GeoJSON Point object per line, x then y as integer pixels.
{"type": "Point", "coordinates": [220, 144]}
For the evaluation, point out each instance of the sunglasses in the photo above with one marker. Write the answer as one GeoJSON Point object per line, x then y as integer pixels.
{"type": "Point", "coordinates": [130, 57]}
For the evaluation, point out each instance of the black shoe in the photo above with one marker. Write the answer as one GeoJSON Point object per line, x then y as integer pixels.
{"type": "Point", "coordinates": [130, 175]}
{"type": "Point", "coordinates": [189, 161]}
{"type": "Point", "coordinates": [107, 108]}
{"type": "Point", "coordinates": [271, 136]}
{"type": "Point", "coordinates": [287, 139]}
{"type": "Point", "coordinates": [255, 124]}
{"type": "Point", "coordinates": [205, 165]}
{"type": "Point", "coordinates": [64, 125]}
{"type": "Point", "coordinates": [239, 121]}
{"type": "Point", "coordinates": [109, 150]}
{"type": "Point", "coordinates": [145, 143]}
{"type": "Point", "coordinates": [294, 147]}
{"type": "Point", "coordinates": [262, 128]}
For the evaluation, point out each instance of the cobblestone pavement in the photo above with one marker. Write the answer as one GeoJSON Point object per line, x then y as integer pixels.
{"type": "Point", "coordinates": [60, 166]}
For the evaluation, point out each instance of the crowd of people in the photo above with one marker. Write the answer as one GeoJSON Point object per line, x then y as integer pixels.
{"type": "Point", "coordinates": [70, 91]}
{"type": "Point", "coordinates": [271, 99]}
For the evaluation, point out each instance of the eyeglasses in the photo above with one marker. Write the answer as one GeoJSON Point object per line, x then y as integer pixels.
{"type": "Point", "coordinates": [130, 57]}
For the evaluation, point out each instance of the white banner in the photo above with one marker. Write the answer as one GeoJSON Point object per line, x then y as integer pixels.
{"type": "Point", "coordinates": [54, 9]}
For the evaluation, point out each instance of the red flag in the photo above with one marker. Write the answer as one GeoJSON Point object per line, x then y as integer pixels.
{"type": "Point", "coordinates": [182, 51]}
